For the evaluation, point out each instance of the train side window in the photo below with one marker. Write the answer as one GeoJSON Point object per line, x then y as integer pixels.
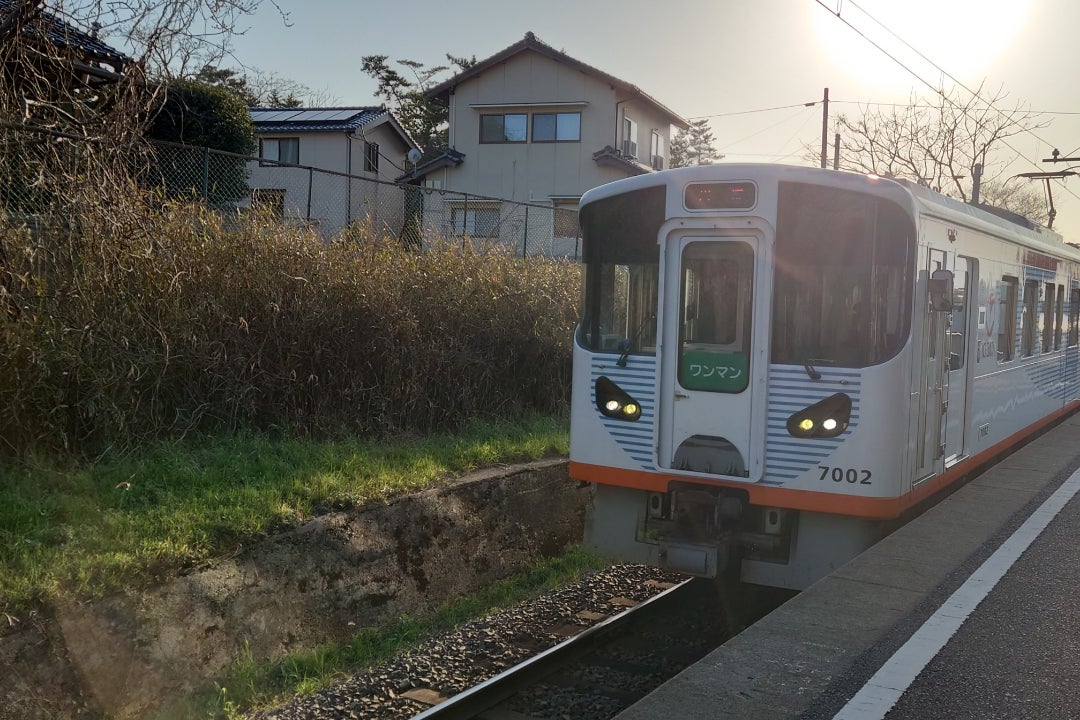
{"type": "Point", "coordinates": [1028, 318]}
{"type": "Point", "coordinates": [1058, 315]}
{"type": "Point", "coordinates": [1074, 316]}
{"type": "Point", "coordinates": [1048, 318]}
{"type": "Point", "coordinates": [1007, 323]}
{"type": "Point", "coordinates": [958, 319]}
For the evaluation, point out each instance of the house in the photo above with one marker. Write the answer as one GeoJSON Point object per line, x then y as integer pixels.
{"type": "Point", "coordinates": [60, 65]}
{"type": "Point", "coordinates": [532, 124]}
{"type": "Point", "coordinates": [331, 167]}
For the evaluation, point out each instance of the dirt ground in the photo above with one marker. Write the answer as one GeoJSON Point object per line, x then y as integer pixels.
{"type": "Point", "coordinates": [128, 656]}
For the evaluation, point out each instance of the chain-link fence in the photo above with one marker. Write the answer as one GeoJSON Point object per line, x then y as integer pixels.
{"type": "Point", "coordinates": [331, 202]}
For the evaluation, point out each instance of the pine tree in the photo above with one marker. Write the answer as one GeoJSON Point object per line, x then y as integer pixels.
{"type": "Point", "coordinates": [695, 146]}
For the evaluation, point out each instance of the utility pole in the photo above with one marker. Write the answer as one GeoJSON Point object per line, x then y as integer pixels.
{"type": "Point", "coordinates": [825, 129]}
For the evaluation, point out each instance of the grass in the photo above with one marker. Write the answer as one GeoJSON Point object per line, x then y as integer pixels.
{"type": "Point", "coordinates": [252, 683]}
{"type": "Point", "coordinates": [126, 521]}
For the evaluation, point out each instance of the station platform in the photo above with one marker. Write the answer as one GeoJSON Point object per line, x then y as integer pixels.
{"type": "Point", "coordinates": [971, 610]}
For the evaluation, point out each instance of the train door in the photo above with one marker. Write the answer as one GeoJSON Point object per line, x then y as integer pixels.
{"type": "Point", "coordinates": [957, 345]}
{"type": "Point", "coordinates": [706, 368]}
{"type": "Point", "coordinates": [934, 366]}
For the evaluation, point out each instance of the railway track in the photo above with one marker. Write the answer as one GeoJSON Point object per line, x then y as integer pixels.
{"type": "Point", "coordinates": [553, 669]}
{"type": "Point", "coordinates": [584, 651]}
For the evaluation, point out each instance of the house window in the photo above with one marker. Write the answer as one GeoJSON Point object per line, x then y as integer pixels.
{"type": "Point", "coordinates": [656, 149]}
{"type": "Point", "coordinates": [475, 220]}
{"type": "Point", "coordinates": [371, 157]}
{"type": "Point", "coordinates": [280, 150]}
{"type": "Point", "coordinates": [629, 143]}
{"type": "Point", "coordinates": [268, 200]}
{"type": "Point", "coordinates": [503, 128]}
{"type": "Point", "coordinates": [556, 127]}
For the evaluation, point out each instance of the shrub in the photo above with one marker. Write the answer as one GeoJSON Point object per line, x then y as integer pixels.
{"type": "Point", "coordinates": [137, 324]}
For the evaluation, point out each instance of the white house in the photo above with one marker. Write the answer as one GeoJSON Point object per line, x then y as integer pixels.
{"type": "Point", "coordinates": [532, 124]}
{"type": "Point", "coordinates": [318, 165]}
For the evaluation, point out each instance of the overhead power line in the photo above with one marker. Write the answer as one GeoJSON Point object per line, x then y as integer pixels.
{"type": "Point", "coordinates": [751, 112]}
{"type": "Point", "coordinates": [940, 69]}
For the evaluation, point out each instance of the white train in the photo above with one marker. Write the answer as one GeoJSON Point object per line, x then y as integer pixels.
{"type": "Point", "coordinates": [777, 365]}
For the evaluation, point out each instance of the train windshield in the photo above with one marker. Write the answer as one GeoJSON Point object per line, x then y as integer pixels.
{"type": "Point", "coordinates": [716, 311]}
{"type": "Point", "coordinates": [843, 280]}
{"type": "Point", "coordinates": [622, 258]}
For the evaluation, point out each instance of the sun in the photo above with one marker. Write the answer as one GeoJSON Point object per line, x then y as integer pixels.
{"type": "Point", "coordinates": [933, 39]}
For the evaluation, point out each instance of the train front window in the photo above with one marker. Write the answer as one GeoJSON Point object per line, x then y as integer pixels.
{"type": "Point", "coordinates": [716, 292]}
{"type": "Point", "coordinates": [622, 260]}
{"type": "Point", "coordinates": [842, 286]}
{"type": "Point", "coordinates": [621, 316]}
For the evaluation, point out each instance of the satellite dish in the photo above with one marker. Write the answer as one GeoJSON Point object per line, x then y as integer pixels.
{"type": "Point", "coordinates": [413, 156]}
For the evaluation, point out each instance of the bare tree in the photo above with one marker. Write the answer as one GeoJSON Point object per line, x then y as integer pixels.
{"type": "Point", "coordinates": [170, 37]}
{"type": "Point", "coordinates": [938, 142]}
{"type": "Point", "coordinates": [82, 79]}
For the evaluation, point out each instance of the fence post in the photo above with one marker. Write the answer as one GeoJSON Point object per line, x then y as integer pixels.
{"type": "Point", "coordinates": [310, 182]}
{"type": "Point", "coordinates": [525, 237]}
{"type": "Point", "coordinates": [206, 174]}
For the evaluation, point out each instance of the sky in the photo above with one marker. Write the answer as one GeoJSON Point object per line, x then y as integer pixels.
{"type": "Point", "coordinates": [749, 66]}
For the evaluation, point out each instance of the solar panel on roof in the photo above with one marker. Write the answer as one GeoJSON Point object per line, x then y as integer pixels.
{"type": "Point", "coordinates": [319, 115]}
{"type": "Point", "coordinates": [271, 115]}
{"type": "Point", "coordinates": [345, 114]}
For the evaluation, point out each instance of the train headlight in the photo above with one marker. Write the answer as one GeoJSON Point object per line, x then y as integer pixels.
{"type": "Point", "coordinates": [614, 402]}
{"type": "Point", "coordinates": [824, 419]}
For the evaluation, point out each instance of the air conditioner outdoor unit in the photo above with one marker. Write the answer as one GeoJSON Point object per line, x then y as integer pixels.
{"type": "Point", "coordinates": [629, 147]}
{"type": "Point", "coordinates": [658, 162]}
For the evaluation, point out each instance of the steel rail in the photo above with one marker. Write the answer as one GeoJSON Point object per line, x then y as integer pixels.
{"type": "Point", "coordinates": [477, 699]}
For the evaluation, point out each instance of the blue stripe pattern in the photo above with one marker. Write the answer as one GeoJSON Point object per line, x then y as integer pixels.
{"type": "Point", "coordinates": [638, 378]}
{"type": "Point", "coordinates": [791, 390]}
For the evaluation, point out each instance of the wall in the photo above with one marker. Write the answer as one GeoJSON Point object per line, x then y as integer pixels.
{"type": "Point", "coordinates": [132, 655]}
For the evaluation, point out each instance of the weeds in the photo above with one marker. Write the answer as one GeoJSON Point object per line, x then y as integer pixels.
{"type": "Point", "coordinates": [127, 519]}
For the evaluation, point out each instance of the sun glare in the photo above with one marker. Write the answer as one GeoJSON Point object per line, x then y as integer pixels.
{"type": "Point", "coordinates": [964, 38]}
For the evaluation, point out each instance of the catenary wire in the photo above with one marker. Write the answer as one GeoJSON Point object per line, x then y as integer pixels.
{"type": "Point", "coordinates": [918, 77]}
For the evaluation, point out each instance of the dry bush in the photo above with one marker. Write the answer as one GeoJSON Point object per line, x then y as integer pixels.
{"type": "Point", "coordinates": [141, 324]}
{"type": "Point", "coordinates": [126, 316]}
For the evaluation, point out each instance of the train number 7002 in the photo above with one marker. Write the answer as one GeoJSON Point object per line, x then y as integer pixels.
{"type": "Point", "coordinates": [839, 474]}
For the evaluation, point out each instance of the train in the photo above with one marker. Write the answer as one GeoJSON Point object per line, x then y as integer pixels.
{"type": "Point", "coordinates": [776, 366]}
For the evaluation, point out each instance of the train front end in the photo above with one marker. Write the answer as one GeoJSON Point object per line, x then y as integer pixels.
{"type": "Point", "coordinates": [741, 339]}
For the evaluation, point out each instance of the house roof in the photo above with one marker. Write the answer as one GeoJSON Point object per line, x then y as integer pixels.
{"type": "Point", "coordinates": [446, 158]}
{"type": "Point", "coordinates": [611, 157]}
{"type": "Point", "coordinates": [530, 43]}
{"type": "Point", "coordinates": [64, 35]}
{"type": "Point", "coordinates": [340, 119]}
